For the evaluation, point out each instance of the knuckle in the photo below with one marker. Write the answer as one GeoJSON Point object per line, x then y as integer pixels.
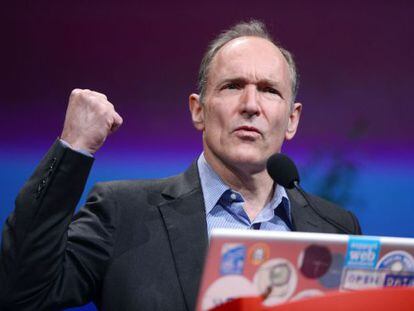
{"type": "Point", "coordinates": [84, 97]}
{"type": "Point", "coordinates": [79, 93]}
{"type": "Point", "coordinates": [100, 95]}
{"type": "Point", "coordinates": [75, 92]}
{"type": "Point", "coordinates": [96, 94]}
{"type": "Point", "coordinates": [105, 105]}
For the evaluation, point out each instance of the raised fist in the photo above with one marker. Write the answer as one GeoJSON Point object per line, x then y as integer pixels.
{"type": "Point", "coordinates": [90, 118]}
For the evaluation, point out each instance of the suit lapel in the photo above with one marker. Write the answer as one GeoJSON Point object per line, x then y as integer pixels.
{"type": "Point", "coordinates": [185, 220]}
{"type": "Point", "coordinates": [303, 217]}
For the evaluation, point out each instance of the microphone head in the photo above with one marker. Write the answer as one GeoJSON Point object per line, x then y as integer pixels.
{"type": "Point", "coordinates": [283, 170]}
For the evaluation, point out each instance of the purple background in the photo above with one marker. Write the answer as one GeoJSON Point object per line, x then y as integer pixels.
{"type": "Point", "coordinates": [355, 60]}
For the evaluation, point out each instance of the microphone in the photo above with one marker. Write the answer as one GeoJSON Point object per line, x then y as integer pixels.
{"type": "Point", "coordinates": [284, 172]}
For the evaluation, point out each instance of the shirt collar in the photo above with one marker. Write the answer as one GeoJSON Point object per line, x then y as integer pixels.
{"type": "Point", "coordinates": [212, 185]}
{"type": "Point", "coordinates": [213, 188]}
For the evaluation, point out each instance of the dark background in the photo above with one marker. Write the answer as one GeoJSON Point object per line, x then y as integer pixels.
{"type": "Point", "coordinates": [355, 58]}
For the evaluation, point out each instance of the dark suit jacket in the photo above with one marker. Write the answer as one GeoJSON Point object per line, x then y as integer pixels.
{"type": "Point", "coordinates": [136, 245]}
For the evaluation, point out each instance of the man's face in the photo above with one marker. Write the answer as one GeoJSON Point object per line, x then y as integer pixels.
{"type": "Point", "coordinates": [247, 112]}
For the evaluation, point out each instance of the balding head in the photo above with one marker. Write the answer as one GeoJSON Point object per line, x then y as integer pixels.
{"type": "Point", "coordinates": [245, 29]}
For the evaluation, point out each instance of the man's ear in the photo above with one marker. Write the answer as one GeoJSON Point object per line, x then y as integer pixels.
{"type": "Point", "coordinates": [293, 121]}
{"type": "Point", "coordinates": [197, 111]}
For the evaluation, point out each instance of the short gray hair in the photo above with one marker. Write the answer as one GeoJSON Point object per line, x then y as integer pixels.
{"type": "Point", "coordinates": [254, 28]}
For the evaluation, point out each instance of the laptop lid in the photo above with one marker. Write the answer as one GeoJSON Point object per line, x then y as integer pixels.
{"type": "Point", "coordinates": [286, 266]}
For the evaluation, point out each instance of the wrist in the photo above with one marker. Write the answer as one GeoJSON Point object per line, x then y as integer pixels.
{"type": "Point", "coordinates": [77, 147]}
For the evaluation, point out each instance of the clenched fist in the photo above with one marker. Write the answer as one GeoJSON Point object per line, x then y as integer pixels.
{"type": "Point", "coordinates": [90, 118]}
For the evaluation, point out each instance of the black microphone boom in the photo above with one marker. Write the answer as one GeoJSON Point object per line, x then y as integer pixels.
{"type": "Point", "coordinates": [284, 172]}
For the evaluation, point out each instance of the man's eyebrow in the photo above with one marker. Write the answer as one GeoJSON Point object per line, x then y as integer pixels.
{"type": "Point", "coordinates": [242, 80]}
{"type": "Point", "coordinates": [233, 80]}
{"type": "Point", "coordinates": [268, 82]}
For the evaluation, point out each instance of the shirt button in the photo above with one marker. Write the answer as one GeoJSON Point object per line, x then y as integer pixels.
{"type": "Point", "coordinates": [233, 196]}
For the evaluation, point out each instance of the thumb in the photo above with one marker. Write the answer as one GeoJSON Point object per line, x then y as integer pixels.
{"type": "Point", "coordinates": [116, 123]}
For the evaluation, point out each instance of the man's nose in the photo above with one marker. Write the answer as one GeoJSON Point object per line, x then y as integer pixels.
{"type": "Point", "coordinates": [250, 101]}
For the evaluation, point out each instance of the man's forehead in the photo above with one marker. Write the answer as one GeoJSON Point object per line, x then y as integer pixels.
{"type": "Point", "coordinates": [250, 56]}
{"type": "Point", "coordinates": [240, 44]}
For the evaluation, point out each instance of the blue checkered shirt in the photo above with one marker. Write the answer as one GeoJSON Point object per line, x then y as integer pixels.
{"type": "Point", "coordinates": [224, 206]}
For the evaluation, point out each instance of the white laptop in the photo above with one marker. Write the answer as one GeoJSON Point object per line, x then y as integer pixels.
{"type": "Point", "coordinates": [287, 266]}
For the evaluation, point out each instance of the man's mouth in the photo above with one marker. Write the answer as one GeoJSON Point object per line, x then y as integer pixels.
{"type": "Point", "coordinates": [249, 133]}
{"type": "Point", "coordinates": [248, 129]}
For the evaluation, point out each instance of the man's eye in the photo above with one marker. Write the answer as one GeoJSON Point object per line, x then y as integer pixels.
{"type": "Point", "coordinates": [270, 90]}
{"type": "Point", "coordinates": [232, 86]}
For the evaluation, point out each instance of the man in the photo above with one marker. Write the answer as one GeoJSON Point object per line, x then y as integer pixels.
{"type": "Point", "coordinates": [140, 245]}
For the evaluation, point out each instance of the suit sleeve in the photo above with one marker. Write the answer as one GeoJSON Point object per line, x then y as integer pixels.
{"type": "Point", "coordinates": [47, 261]}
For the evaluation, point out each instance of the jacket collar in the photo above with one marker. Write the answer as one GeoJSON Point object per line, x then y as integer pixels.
{"type": "Point", "coordinates": [185, 220]}
{"type": "Point", "coordinates": [303, 218]}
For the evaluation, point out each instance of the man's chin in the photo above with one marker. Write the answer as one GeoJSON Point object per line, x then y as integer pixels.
{"type": "Point", "coordinates": [240, 157]}
{"type": "Point", "coordinates": [248, 160]}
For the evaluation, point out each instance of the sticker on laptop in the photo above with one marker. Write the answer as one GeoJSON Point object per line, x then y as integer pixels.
{"type": "Point", "coordinates": [399, 279]}
{"type": "Point", "coordinates": [314, 261]}
{"type": "Point", "coordinates": [357, 279]}
{"type": "Point", "coordinates": [258, 253]}
{"type": "Point", "coordinates": [307, 293]}
{"type": "Point", "coordinates": [276, 279]}
{"type": "Point", "coordinates": [332, 278]}
{"type": "Point", "coordinates": [232, 258]}
{"type": "Point", "coordinates": [362, 252]}
{"type": "Point", "coordinates": [396, 261]}
{"type": "Point", "coordinates": [226, 289]}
